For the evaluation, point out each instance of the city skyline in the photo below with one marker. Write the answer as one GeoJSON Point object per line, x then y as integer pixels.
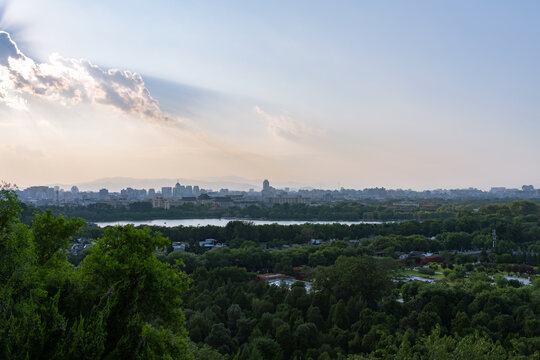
{"type": "Point", "coordinates": [197, 187]}
{"type": "Point", "coordinates": [419, 96]}
{"type": "Point", "coordinates": [235, 183]}
{"type": "Point", "coordinates": [194, 196]}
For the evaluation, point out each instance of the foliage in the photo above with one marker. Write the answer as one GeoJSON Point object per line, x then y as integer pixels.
{"type": "Point", "coordinates": [121, 302]}
{"type": "Point", "coordinates": [120, 299]}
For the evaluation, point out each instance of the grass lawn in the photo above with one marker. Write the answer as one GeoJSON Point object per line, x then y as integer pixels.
{"type": "Point", "coordinates": [436, 276]}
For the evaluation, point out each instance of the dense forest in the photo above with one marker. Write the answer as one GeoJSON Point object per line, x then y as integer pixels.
{"type": "Point", "coordinates": [516, 226]}
{"type": "Point", "coordinates": [130, 296]}
{"type": "Point", "coordinates": [121, 302]}
{"type": "Point", "coordinates": [368, 209]}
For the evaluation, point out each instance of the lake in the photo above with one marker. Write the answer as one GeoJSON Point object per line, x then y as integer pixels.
{"type": "Point", "coordinates": [223, 222]}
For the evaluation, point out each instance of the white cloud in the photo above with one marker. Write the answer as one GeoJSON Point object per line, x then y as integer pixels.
{"type": "Point", "coordinates": [283, 126]}
{"type": "Point", "coordinates": [69, 82]}
{"type": "Point", "coordinates": [25, 151]}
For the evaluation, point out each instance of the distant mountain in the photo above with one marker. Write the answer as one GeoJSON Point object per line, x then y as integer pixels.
{"type": "Point", "coordinates": [212, 183]}
{"type": "Point", "coordinates": [119, 183]}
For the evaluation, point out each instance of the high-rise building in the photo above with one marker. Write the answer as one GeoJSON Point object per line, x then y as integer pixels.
{"type": "Point", "coordinates": [74, 192]}
{"type": "Point", "coordinates": [103, 193]}
{"type": "Point", "coordinates": [167, 191]}
{"type": "Point", "coordinates": [267, 190]}
{"type": "Point", "coordinates": [177, 191]}
{"type": "Point", "coordinates": [151, 193]}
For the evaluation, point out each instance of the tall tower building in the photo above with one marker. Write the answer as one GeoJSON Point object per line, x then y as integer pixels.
{"type": "Point", "coordinates": [103, 193]}
{"type": "Point", "coordinates": [166, 191]}
{"type": "Point", "coordinates": [177, 191]}
{"type": "Point", "coordinates": [75, 192]}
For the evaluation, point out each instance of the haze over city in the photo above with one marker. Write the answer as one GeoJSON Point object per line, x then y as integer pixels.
{"type": "Point", "coordinates": [417, 95]}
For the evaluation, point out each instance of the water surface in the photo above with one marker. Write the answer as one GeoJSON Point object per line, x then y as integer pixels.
{"type": "Point", "coordinates": [223, 222]}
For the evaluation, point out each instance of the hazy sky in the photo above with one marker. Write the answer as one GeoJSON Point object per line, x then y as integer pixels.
{"type": "Point", "coordinates": [411, 94]}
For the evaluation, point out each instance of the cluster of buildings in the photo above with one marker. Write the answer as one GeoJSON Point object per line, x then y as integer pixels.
{"type": "Point", "coordinates": [80, 245]}
{"type": "Point", "coordinates": [178, 194]}
{"type": "Point", "coordinates": [526, 192]}
{"type": "Point", "coordinates": [47, 195]}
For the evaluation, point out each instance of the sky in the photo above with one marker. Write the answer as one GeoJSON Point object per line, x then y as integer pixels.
{"type": "Point", "coordinates": [416, 94]}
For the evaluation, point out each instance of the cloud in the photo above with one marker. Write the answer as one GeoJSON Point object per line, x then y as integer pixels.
{"type": "Point", "coordinates": [283, 126]}
{"type": "Point", "coordinates": [25, 151]}
{"type": "Point", "coordinates": [71, 81]}
{"type": "Point", "coordinates": [8, 49]}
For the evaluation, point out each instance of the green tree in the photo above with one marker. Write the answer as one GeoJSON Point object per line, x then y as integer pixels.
{"type": "Point", "coordinates": [143, 295]}
{"type": "Point", "coordinates": [306, 336]}
{"type": "Point", "coordinates": [338, 315]}
{"type": "Point", "coordinates": [350, 276]}
{"type": "Point", "coordinates": [285, 339]}
{"type": "Point", "coordinates": [263, 348]}
{"type": "Point", "coordinates": [220, 338]}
